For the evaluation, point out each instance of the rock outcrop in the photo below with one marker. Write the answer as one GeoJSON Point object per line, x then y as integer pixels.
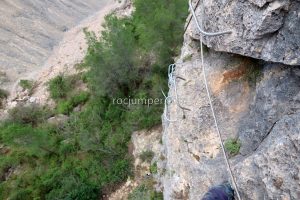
{"type": "Point", "coordinates": [256, 102]}
{"type": "Point", "coordinates": [142, 141]}
{"type": "Point", "coordinates": [272, 171]}
{"type": "Point", "coordinates": [276, 95]}
{"type": "Point", "coordinates": [263, 29]}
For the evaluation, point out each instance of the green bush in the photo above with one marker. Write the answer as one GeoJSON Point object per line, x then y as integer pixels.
{"type": "Point", "coordinates": [26, 84]}
{"type": "Point", "coordinates": [160, 26]}
{"type": "Point", "coordinates": [80, 98]}
{"type": "Point", "coordinates": [120, 171]}
{"type": "Point", "coordinates": [144, 192]}
{"type": "Point", "coordinates": [70, 186]}
{"type": "Point", "coordinates": [153, 168]}
{"type": "Point", "coordinates": [67, 106]}
{"type": "Point", "coordinates": [64, 107]}
{"type": "Point", "coordinates": [84, 77]}
{"type": "Point", "coordinates": [112, 60]}
{"type": "Point", "coordinates": [23, 194]}
{"type": "Point", "coordinates": [32, 141]}
{"type": "Point", "coordinates": [7, 162]}
{"type": "Point", "coordinates": [59, 87]}
{"type": "Point", "coordinates": [29, 114]}
{"type": "Point", "coordinates": [232, 146]}
{"type": "Point", "coordinates": [3, 94]}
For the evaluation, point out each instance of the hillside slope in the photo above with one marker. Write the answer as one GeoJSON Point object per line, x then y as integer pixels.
{"type": "Point", "coordinates": [30, 29]}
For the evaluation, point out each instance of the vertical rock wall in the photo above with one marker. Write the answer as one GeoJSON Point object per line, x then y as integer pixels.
{"type": "Point", "coordinates": [256, 102]}
{"type": "Point", "coordinates": [263, 29]}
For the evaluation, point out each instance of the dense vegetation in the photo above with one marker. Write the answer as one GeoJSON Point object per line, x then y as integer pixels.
{"type": "Point", "coordinates": [86, 156]}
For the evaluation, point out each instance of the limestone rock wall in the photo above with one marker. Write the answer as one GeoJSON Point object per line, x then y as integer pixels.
{"type": "Point", "coordinates": [256, 102]}
{"type": "Point", "coordinates": [272, 171]}
{"type": "Point", "coordinates": [263, 29]}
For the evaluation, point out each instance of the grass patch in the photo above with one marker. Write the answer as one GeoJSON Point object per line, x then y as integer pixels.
{"type": "Point", "coordinates": [80, 98]}
{"type": "Point", "coordinates": [29, 114]}
{"type": "Point", "coordinates": [67, 106]}
{"type": "Point", "coordinates": [59, 87]}
{"type": "Point", "coordinates": [26, 84]}
{"type": "Point", "coordinates": [232, 146]}
{"type": "Point", "coordinates": [153, 168]}
{"type": "Point", "coordinates": [62, 90]}
{"type": "Point", "coordinates": [146, 193]}
{"type": "Point", "coordinates": [64, 107]}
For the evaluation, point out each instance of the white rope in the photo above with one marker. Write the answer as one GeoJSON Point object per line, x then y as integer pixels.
{"type": "Point", "coordinates": [198, 25]}
{"type": "Point", "coordinates": [210, 101]}
{"type": "Point", "coordinates": [216, 123]}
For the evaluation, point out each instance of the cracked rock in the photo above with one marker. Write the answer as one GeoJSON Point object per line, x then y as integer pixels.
{"type": "Point", "coordinates": [272, 172]}
{"type": "Point", "coordinates": [262, 29]}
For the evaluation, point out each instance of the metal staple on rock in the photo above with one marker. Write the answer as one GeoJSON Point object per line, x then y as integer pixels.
{"type": "Point", "coordinates": [209, 96]}
{"type": "Point", "coordinates": [172, 84]}
{"type": "Point", "coordinates": [168, 99]}
{"type": "Point", "coordinates": [190, 18]}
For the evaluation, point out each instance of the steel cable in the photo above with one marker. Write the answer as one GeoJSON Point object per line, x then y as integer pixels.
{"type": "Point", "coordinates": [209, 96]}
{"type": "Point", "coordinates": [198, 25]}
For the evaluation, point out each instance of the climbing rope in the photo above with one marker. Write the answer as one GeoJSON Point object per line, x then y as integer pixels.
{"type": "Point", "coordinates": [209, 96]}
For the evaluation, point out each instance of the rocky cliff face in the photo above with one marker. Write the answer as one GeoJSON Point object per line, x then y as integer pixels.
{"type": "Point", "coordinates": [257, 102]}
{"type": "Point", "coordinates": [263, 29]}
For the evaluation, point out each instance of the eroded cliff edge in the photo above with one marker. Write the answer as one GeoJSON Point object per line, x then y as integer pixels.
{"type": "Point", "coordinates": [257, 102]}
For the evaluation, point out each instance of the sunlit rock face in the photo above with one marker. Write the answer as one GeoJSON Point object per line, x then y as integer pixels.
{"type": "Point", "coordinates": [263, 29]}
{"type": "Point", "coordinates": [29, 29]}
{"type": "Point", "coordinates": [256, 102]}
